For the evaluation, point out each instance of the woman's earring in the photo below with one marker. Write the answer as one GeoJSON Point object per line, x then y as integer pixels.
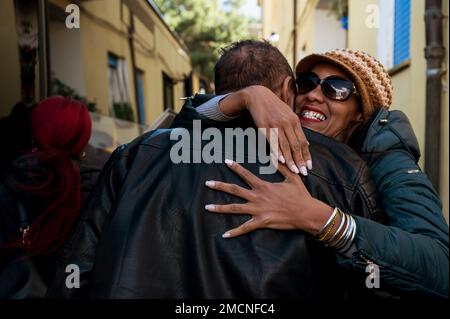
{"type": "Point", "coordinates": [83, 154]}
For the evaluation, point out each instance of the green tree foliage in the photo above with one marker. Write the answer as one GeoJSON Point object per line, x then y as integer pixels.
{"type": "Point", "coordinates": [58, 87]}
{"type": "Point", "coordinates": [205, 26]}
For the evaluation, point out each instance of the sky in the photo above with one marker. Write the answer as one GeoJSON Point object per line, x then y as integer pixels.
{"type": "Point", "coordinates": [251, 9]}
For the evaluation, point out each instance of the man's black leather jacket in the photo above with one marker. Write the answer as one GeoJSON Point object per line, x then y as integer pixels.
{"type": "Point", "coordinates": [145, 232]}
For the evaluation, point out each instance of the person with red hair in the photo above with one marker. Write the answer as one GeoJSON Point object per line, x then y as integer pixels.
{"type": "Point", "coordinates": [41, 195]}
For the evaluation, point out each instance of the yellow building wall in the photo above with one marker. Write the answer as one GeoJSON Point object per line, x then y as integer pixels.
{"type": "Point", "coordinates": [409, 84]}
{"type": "Point", "coordinates": [102, 33]}
{"type": "Point", "coordinates": [360, 37]}
{"type": "Point", "coordinates": [170, 58]}
{"type": "Point", "coordinates": [157, 52]}
{"type": "Point", "coordinates": [195, 82]}
{"type": "Point", "coordinates": [9, 59]}
{"type": "Point", "coordinates": [268, 17]}
{"type": "Point", "coordinates": [305, 29]}
{"type": "Point", "coordinates": [104, 28]}
{"type": "Point", "coordinates": [277, 16]}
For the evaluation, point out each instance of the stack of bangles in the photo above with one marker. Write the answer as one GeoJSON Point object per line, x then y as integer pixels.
{"type": "Point", "coordinates": [342, 238]}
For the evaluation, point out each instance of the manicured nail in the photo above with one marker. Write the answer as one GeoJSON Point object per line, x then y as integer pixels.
{"type": "Point", "coordinates": [226, 235]}
{"type": "Point", "coordinates": [228, 162]}
{"type": "Point", "coordinates": [281, 159]}
{"type": "Point", "coordinates": [309, 164]}
{"type": "Point", "coordinates": [303, 171]}
{"type": "Point", "coordinates": [210, 207]}
{"type": "Point", "coordinates": [210, 183]}
{"type": "Point", "coordinates": [294, 169]}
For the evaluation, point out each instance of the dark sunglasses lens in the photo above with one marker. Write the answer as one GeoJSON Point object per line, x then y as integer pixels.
{"type": "Point", "coordinates": [337, 88]}
{"type": "Point", "coordinates": [306, 82]}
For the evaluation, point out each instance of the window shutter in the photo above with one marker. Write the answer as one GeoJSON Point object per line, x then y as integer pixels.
{"type": "Point", "coordinates": [402, 27]}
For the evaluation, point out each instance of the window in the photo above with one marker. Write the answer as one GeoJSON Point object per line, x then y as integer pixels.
{"type": "Point", "coordinates": [168, 92]}
{"type": "Point", "coordinates": [188, 85]}
{"type": "Point", "coordinates": [402, 22]}
{"type": "Point", "coordinates": [119, 94]}
{"type": "Point", "coordinates": [140, 96]}
{"type": "Point", "coordinates": [394, 32]}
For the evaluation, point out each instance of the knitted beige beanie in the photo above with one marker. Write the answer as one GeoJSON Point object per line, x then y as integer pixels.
{"type": "Point", "coordinates": [371, 79]}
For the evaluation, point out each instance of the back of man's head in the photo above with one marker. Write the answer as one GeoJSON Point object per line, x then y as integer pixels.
{"type": "Point", "coordinates": [251, 62]}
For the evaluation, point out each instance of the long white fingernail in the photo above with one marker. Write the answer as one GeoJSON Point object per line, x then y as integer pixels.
{"type": "Point", "coordinates": [210, 207]}
{"type": "Point", "coordinates": [281, 159]}
{"type": "Point", "coordinates": [226, 235]}
{"type": "Point", "coordinates": [303, 171]}
{"type": "Point", "coordinates": [294, 169]}
{"type": "Point", "coordinates": [309, 164]}
{"type": "Point", "coordinates": [228, 162]}
{"type": "Point", "coordinates": [210, 183]}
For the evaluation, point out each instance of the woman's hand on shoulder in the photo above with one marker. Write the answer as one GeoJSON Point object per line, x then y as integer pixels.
{"type": "Point", "coordinates": [285, 205]}
{"type": "Point", "coordinates": [268, 111]}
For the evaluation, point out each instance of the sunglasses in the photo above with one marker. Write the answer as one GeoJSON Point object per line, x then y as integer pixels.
{"type": "Point", "coordinates": [333, 87]}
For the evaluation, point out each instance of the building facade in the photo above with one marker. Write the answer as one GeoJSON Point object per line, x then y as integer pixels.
{"type": "Point", "coordinates": [405, 59]}
{"type": "Point", "coordinates": [119, 56]}
{"type": "Point", "coordinates": [316, 30]}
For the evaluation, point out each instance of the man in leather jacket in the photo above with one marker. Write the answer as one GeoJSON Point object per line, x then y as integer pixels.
{"type": "Point", "coordinates": [145, 232]}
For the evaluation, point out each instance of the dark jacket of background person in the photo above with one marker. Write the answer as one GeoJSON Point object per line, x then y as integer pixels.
{"type": "Point", "coordinates": [145, 233]}
{"type": "Point", "coordinates": [25, 275]}
{"type": "Point", "coordinates": [91, 164]}
{"type": "Point", "coordinates": [412, 251]}
{"type": "Point", "coordinates": [20, 275]}
{"type": "Point", "coordinates": [15, 134]}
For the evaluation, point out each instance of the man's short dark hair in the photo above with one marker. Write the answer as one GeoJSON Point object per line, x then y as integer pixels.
{"type": "Point", "coordinates": [251, 62]}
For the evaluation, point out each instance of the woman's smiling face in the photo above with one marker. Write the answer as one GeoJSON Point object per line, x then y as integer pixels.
{"type": "Point", "coordinates": [336, 119]}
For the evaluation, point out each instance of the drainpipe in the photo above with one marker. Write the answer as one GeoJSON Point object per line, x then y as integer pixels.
{"type": "Point", "coordinates": [43, 50]}
{"type": "Point", "coordinates": [434, 54]}
{"type": "Point", "coordinates": [294, 36]}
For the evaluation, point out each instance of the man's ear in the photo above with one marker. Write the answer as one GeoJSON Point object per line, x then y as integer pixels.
{"type": "Point", "coordinates": [287, 93]}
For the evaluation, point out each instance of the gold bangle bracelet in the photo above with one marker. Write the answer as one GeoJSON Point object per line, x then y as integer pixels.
{"type": "Point", "coordinates": [341, 227]}
{"type": "Point", "coordinates": [328, 231]}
